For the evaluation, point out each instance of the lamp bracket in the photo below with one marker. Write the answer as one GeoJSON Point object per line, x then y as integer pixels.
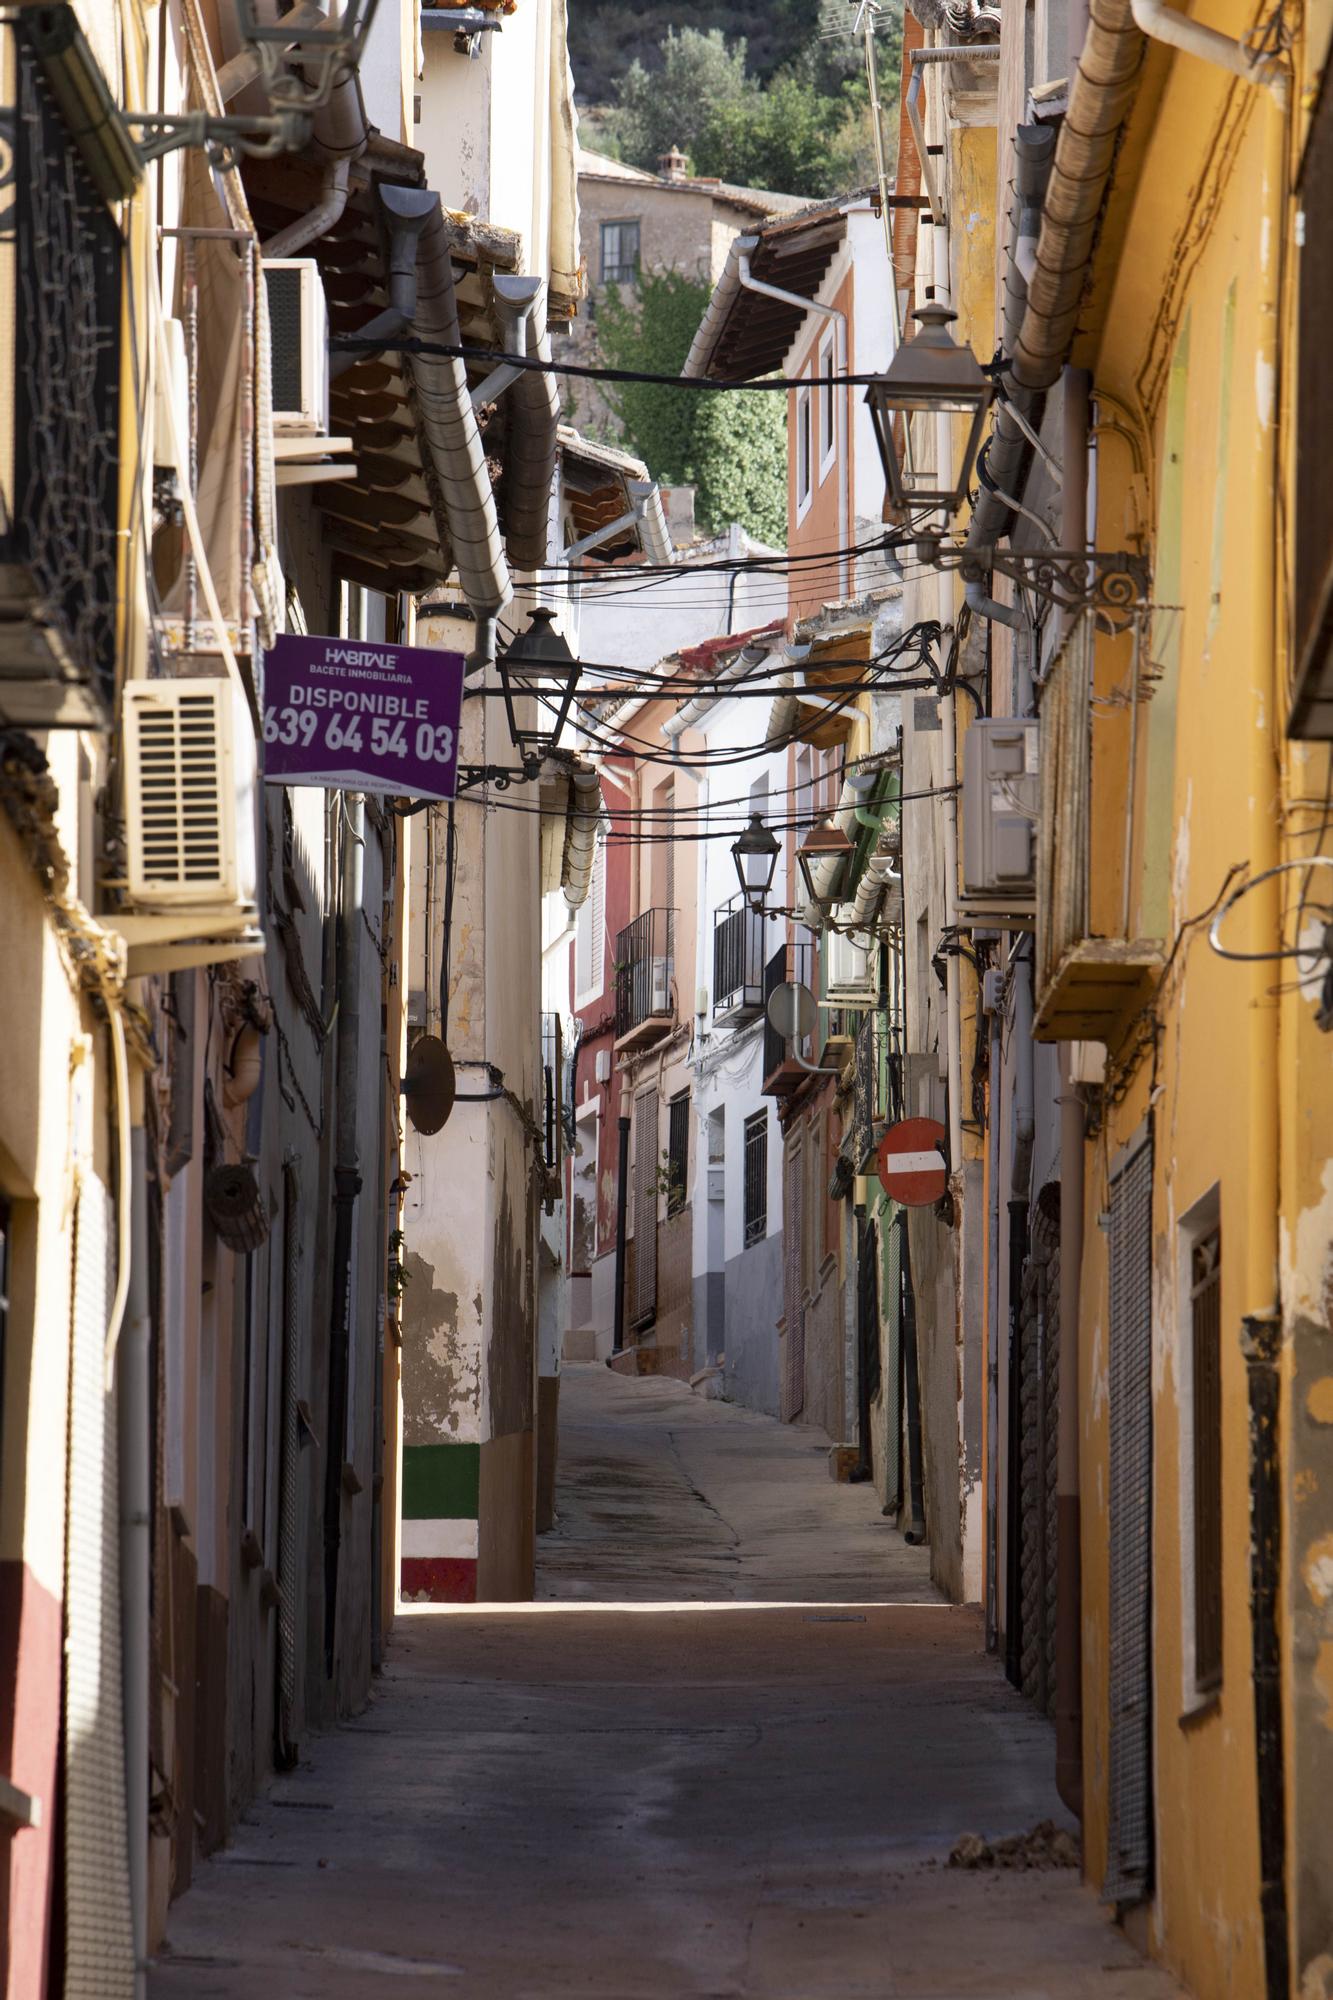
{"type": "Point", "coordinates": [1111, 583]}
{"type": "Point", "coordinates": [226, 140]}
{"type": "Point", "coordinates": [502, 776]}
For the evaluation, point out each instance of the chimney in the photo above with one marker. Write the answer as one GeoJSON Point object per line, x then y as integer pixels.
{"type": "Point", "coordinates": [671, 166]}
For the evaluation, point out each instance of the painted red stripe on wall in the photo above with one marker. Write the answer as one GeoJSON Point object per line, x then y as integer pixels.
{"type": "Point", "coordinates": [439, 1580]}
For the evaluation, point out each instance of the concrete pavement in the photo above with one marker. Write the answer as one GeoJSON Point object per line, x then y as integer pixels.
{"type": "Point", "coordinates": [698, 1793]}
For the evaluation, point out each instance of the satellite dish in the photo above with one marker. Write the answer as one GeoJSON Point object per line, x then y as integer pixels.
{"type": "Point", "coordinates": [792, 1010]}
{"type": "Point", "coordinates": [428, 1083]}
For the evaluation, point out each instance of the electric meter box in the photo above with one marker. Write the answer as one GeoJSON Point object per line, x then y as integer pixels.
{"type": "Point", "coordinates": [1001, 803]}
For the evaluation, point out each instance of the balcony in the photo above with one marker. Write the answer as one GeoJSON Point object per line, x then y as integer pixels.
{"type": "Point", "coordinates": [1089, 986]}
{"type": "Point", "coordinates": [60, 458]}
{"type": "Point", "coordinates": [782, 1073]}
{"type": "Point", "coordinates": [738, 963]}
{"type": "Point", "coordinates": [645, 969]}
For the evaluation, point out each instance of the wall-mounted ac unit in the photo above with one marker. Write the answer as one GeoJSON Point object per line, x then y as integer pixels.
{"type": "Point", "coordinates": [849, 971]}
{"type": "Point", "coordinates": [299, 345]}
{"type": "Point", "coordinates": [661, 987]}
{"type": "Point", "coordinates": [1001, 804]}
{"type": "Point", "coordinates": [191, 774]}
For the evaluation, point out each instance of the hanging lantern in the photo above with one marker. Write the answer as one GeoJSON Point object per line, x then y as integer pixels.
{"type": "Point", "coordinates": [756, 856]}
{"type": "Point", "coordinates": [929, 375]}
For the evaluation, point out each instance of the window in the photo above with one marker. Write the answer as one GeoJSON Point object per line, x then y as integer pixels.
{"type": "Point", "coordinates": [620, 253]}
{"type": "Point", "coordinates": [589, 939]}
{"type": "Point", "coordinates": [5, 1233]}
{"type": "Point", "coordinates": [678, 1152]}
{"type": "Point", "coordinates": [756, 1178]}
{"type": "Point", "coordinates": [828, 404]}
{"type": "Point", "coordinates": [1206, 1353]}
{"type": "Point", "coordinates": [804, 452]}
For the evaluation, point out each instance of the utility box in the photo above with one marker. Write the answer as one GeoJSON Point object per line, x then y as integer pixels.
{"type": "Point", "coordinates": [1001, 805]}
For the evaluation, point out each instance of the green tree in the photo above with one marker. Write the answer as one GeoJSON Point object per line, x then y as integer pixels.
{"type": "Point", "coordinates": [732, 448]}
{"type": "Point", "coordinates": [788, 137]}
{"type": "Point", "coordinates": [673, 104]}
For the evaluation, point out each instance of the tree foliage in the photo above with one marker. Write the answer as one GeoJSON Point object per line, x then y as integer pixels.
{"type": "Point", "coordinates": [805, 129]}
{"type": "Point", "coordinates": [731, 448]}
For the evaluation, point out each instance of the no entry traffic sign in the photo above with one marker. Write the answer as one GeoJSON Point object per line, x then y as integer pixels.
{"type": "Point", "coordinates": [911, 1162]}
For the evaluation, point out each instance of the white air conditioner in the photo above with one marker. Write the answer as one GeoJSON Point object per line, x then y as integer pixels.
{"type": "Point", "coordinates": [849, 971]}
{"type": "Point", "coordinates": [191, 776]}
{"type": "Point", "coordinates": [298, 345]}
{"type": "Point", "coordinates": [661, 987]}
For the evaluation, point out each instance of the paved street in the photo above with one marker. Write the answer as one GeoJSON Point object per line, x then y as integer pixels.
{"type": "Point", "coordinates": [743, 1780]}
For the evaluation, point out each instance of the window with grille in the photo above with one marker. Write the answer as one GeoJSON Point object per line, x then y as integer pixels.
{"type": "Point", "coordinates": [804, 451]}
{"type": "Point", "coordinates": [756, 1178]}
{"type": "Point", "coordinates": [5, 1232]}
{"type": "Point", "coordinates": [1206, 1333]}
{"type": "Point", "coordinates": [620, 253]}
{"type": "Point", "coordinates": [678, 1152]}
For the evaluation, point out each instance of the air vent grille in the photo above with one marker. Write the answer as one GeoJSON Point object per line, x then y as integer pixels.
{"type": "Point", "coordinates": [178, 798]}
{"type": "Point", "coordinates": [284, 318]}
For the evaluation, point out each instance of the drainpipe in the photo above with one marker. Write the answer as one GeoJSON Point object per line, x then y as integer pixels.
{"type": "Point", "coordinates": [534, 407]}
{"type": "Point", "coordinates": [581, 835]}
{"type": "Point", "coordinates": [244, 67]}
{"type": "Point", "coordinates": [455, 470]}
{"type": "Point", "coordinates": [1163, 24]}
{"type": "Point", "coordinates": [135, 1396]}
{"type": "Point", "coordinates": [407, 213]}
{"type": "Point", "coordinates": [1068, 1556]}
{"type": "Point", "coordinates": [1261, 1344]}
{"type": "Point", "coordinates": [1020, 1192]}
{"type": "Point", "coordinates": [993, 1001]}
{"type": "Point", "coordinates": [347, 1186]}
{"type": "Point", "coordinates": [318, 220]}
{"type": "Point", "coordinates": [622, 1205]}
{"type": "Point", "coordinates": [915, 1531]}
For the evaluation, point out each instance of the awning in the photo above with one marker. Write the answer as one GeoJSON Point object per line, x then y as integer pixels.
{"type": "Point", "coordinates": [745, 333]}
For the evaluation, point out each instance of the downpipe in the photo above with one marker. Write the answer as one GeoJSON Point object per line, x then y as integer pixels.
{"type": "Point", "coordinates": [1020, 1196]}
{"type": "Point", "coordinates": [347, 1187]}
{"type": "Point", "coordinates": [135, 1399]}
{"type": "Point", "coordinates": [915, 1531]}
{"type": "Point", "coordinates": [1261, 1344]}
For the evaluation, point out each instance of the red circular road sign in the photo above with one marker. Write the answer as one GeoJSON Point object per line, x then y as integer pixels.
{"type": "Point", "coordinates": [911, 1162]}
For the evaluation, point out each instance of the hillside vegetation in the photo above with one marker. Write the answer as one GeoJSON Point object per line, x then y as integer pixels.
{"type": "Point", "coordinates": [770, 96]}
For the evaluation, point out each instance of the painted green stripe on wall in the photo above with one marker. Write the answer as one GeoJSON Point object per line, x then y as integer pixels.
{"type": "Point", "coordinates": [441, 1482]}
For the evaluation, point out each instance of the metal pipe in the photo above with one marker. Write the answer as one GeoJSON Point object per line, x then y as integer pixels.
{"type": "Point", "coordinates": [135, 1399]}
{"type": "Point", "coordinates": [244, 67]}
{"type": "Point", "coordinates": [1164, 24]}
{"type": "Point", "coordinates": [317, 220]}
{"type": "Point", "coordinates": [1068, 1531]}
{"type": "Point", "coordinates": [534, 402]}
{"type": "Point", "coordinates": [347, 1187]}
{"type": "Point", "coordinates": [1020, 1196]}
{"type": "Point", "coordinates": [915, 1531]}
{"type": "Point", "coordinates": [917, 123]}
{"type": "Point", "coordinates": [622, 1207]}
{"type": "Point", "coordinates": [993, 1001]}
{"type": "Point", "coordinates": [581, 839]}
{"type": "Point", "coordinates": [1261, 1344]}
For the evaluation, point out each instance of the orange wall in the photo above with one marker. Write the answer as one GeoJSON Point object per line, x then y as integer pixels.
{"type": "Point", "coordinates": [821, 532]}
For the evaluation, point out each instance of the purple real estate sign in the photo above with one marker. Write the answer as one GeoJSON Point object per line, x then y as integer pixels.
{"type": "Point", "coordinates": [363, 716]}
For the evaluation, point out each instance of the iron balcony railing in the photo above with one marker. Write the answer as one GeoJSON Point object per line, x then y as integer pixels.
{"type": "Point", "coordinates": [60, 456]}
{"type": "Point", "coordinates": [645, 952]}
{"type": "Point", "coordinates": [789, 962]}
{"type": "Point", "coordinates": [552, 1077]}
{"type": "Point", "coordinates": [738, 961]}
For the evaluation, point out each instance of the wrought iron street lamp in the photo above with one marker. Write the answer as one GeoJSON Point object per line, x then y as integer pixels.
{"type": "Point", "coordinates": [826, 843]}
{"type": "Point", "coordinates": [756, 856]}
{"type": "Point", "coordinates": [929, 375]}
{"type": "Point", "coordinates": [538, 660]}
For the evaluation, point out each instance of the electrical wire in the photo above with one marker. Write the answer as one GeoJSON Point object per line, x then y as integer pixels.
{"type": "Point", "coordinates": [495, 357]}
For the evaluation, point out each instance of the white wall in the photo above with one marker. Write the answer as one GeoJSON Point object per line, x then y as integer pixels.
{"type": "Point", "coordinates": [628, 622]}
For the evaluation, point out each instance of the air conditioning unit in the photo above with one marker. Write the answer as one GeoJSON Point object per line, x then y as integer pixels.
{"type": "Point", "coordinates": [849, 971]}
{"type": "Point", "coordinates": [660, 1002]}
{"type": "Point", "coordinates": [191, 777]}
{"type": "Point", "coordinates": [299, 345]}
{"type": "Point", "coordinates": [1001, 807]}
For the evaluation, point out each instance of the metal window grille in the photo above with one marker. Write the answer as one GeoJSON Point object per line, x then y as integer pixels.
{"type": "Point", "coordinates": [64, 506]}
{"type": "Point", "coordinates": [678, 1152]}
{"type": "Point", "coordinates": [620, 253]}
{"type": "Point", "coordinates": [643, 1301]}
{"type": "Point", "coordinates": [551, 1093]}
{"type": "Point", "coordinates": [1129, 1867]}
{"type": "Point", "coordinates": [1206, 1330]}
{"type": "Point", "coordinates": [756, 1177]}
{"type": "Point", "coordinates": [738, 955]}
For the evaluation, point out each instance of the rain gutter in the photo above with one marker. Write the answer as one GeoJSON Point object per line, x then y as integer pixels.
{"type": "Point", "coordinates": [581, 835]}
{"type": "Point", "coordinates": [1101, 97]}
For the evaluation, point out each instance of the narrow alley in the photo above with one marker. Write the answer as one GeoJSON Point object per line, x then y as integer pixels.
{"type": "Point", "coordinates": [737, 1767]}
